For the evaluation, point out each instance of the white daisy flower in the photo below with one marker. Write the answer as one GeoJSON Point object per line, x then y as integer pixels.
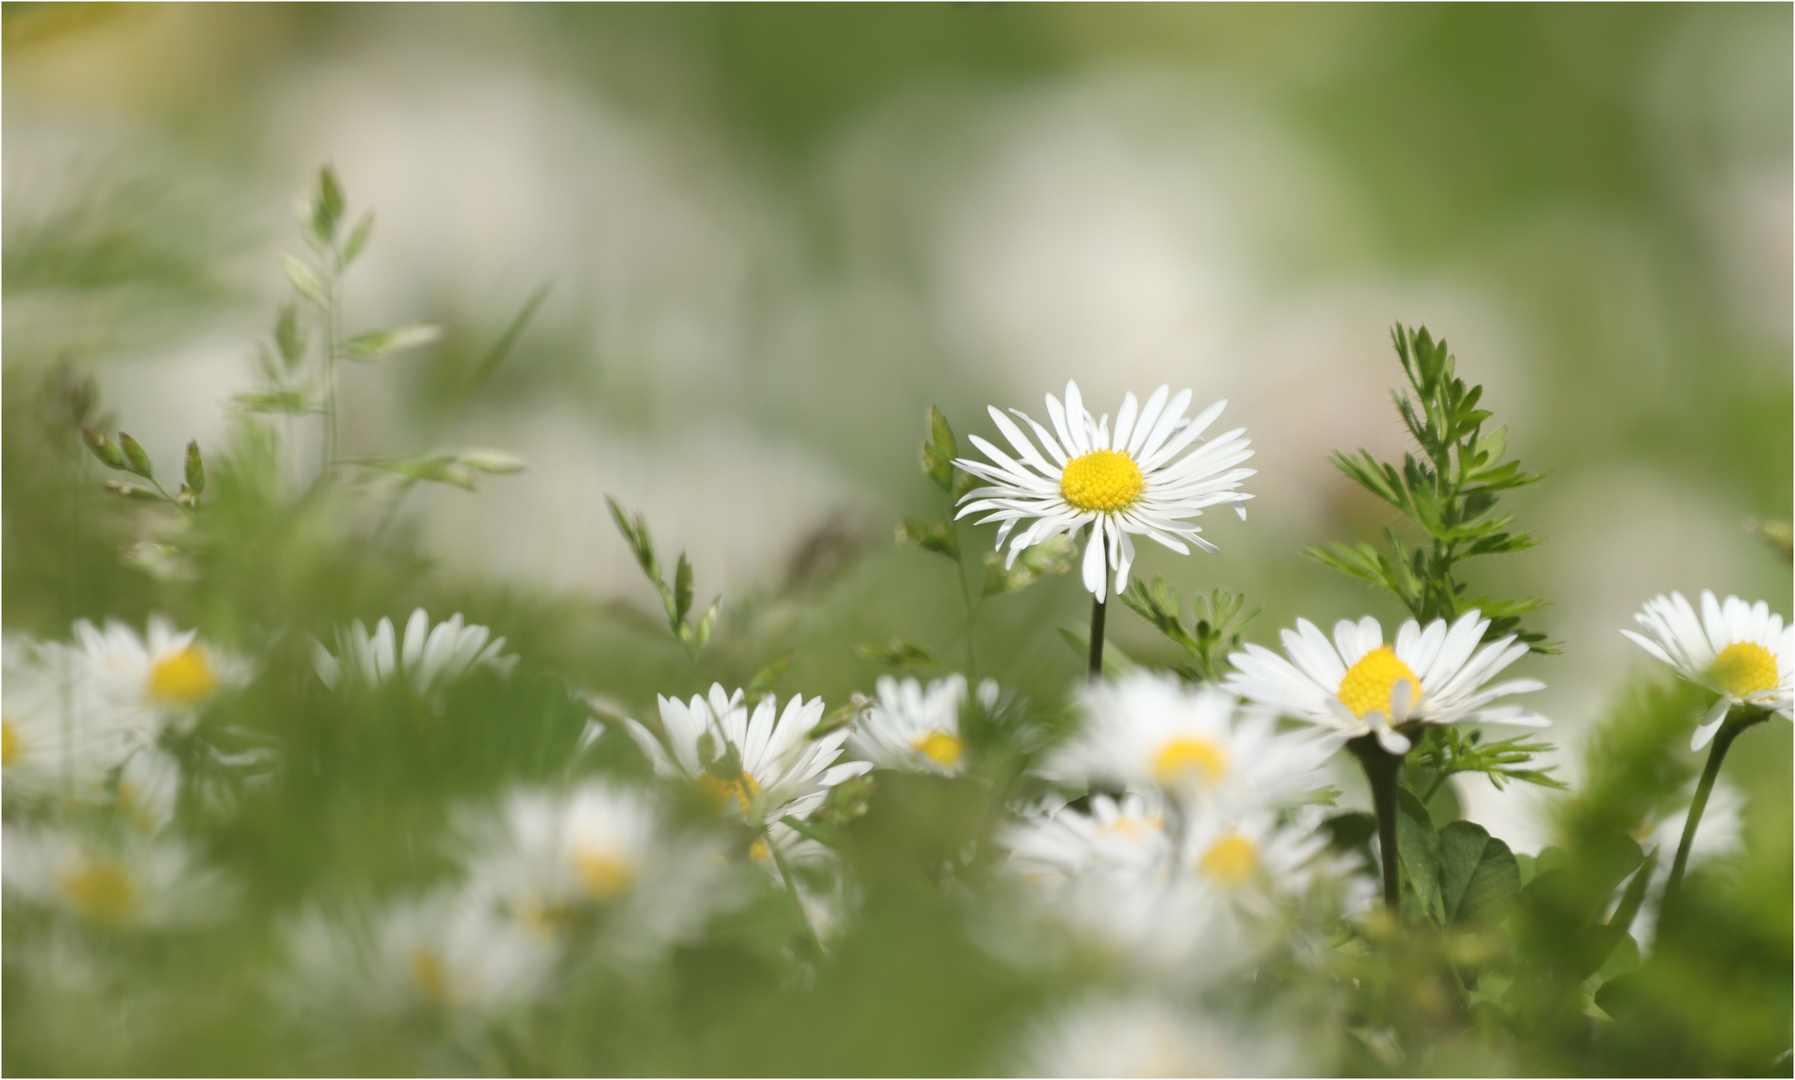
{"type": "Point", "coordinates": [138, 882]}
{"type": "Point", "coordinates": [915, 728]}
{"type": "Point", "coordinates": [446, 950]}
{"type": "Point", "coordinates": [1133, 483]}
{"type": "Point", "coordinates": [1740, 651]}
{"type": "Point", "coordinates": [164, 676]}
{"type": "Point", "coordinates": [604, 853]}
{"type": "Point", "coordinates": [1359, 686]}
{"type": "Point", "coordinates": [1139, 1035]}
{"type": "Point", "coordinates": [426, 659]}
{"type": "Point", "coordinates": [1139, 923]}
{"type": "Point", "coordinates": [58, 734]}
{"type": "Point", "coordinates": [1255, 865]}
{"type": "Point", "coordinates": [1150, 730]}
{"type": "Point", "coordinates": [782, 771]}
{"type": "Point", "coordinates": [1058, 842]}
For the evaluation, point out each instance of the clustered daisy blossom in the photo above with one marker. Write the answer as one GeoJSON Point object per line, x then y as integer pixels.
{"type": "Point", "coordinates": [1357, 685]}
{"type": "Point", "coordinates": [1125, 483]}
{"type": "Point", "coordinates": [1740, 651]}
{"type": "Point", "coordinates": [426, 659]}
{"type": "Point", "coordinates": [910, 726]}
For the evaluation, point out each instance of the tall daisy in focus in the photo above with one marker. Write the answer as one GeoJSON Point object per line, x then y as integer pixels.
{"type": "Point", "coordinates": [1135, 480]}
{"type": "Point", "coordinates": [1740, 651]}
{"type": "Point", "coordinates": [1379, 695]}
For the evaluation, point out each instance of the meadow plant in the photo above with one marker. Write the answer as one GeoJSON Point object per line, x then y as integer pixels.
{"type": "Point", "coordinates": [259, 837]}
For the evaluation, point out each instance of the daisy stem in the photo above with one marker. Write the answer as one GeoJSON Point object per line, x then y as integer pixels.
{"type": "Point", "coordinates": [1097, 613]}
{"type": "Point", "coordinates": [1381, 770]}
{"type": "Point", "coordinates": [791, 885]}
{"type": "Point", "coordinates": [1740, 719]}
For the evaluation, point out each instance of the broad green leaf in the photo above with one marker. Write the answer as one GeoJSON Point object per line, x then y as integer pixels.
{"type": "Point", "coordinates": [1418, 849]}
{"type": "Point", "coordinates": [1478, 874]}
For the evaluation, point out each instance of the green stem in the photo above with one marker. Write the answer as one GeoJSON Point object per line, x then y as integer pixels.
{"type": "Point", "coordinates": [791, 885]}
{"type": "Point", "coordinates": [971, 606]}
{"type": "Point", "coordinates": [1097, 614]}
{"type": "Point", "coordinates": [329, 452]}
{"type": "Point", "coordinates": [1381, 769]}
{"type": "Point", "coordinates": [1737, 721]}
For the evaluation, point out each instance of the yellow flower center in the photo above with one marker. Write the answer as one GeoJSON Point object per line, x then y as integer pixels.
{"type": "Point", "coordinates": [1135, 827]}
{"type": "Point", "coordinates": [1744, 667]}
{"type": "Point", "coordinates": [759, 851]}
{"type": "Point", "coordinates": [1370, 682]}
{"type": "Point", "coordinates": [427, 971]}
{"type": "Point", "coordinates": [1187, 758]}
{"type": "Point", "coordinates": [602, 875]}
{"type": "Point", "coordinates": [940, 747]}
{"type": "Point", "coordinates": [101, 891]}
{"type": "Point", "coordinates": [1102, 480]}
{"type": "Point", "coordinates": [182, 679]}
{"type": "Point", "coordinates": [1230, 861]}
{"type": "Point", "coordinates": [742, 789]}
{"type": "Point", "coordinates": [10, 743]}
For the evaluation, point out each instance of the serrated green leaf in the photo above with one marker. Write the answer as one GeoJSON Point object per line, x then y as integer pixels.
{"type": "Point", "coordinates": [377, 343]}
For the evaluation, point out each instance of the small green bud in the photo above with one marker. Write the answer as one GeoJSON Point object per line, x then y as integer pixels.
{"type": "Point", "coordinates": [196, 468]}
{"type": "Point", "coordinates": [358, 237]}
{"type": "Point", "coordinates": [327, 206]}
{"type": "Point", "coordinates": [103, 448]}
{"type": "Point", "coordinates": [135, 459]}
{"type": "Point", "coordinates": [494, 462]}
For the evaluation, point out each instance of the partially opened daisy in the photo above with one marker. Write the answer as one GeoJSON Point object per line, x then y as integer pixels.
{"type": "Point", "coordinates": [1152, 731]}
{"type": "Point", "coordinates": [762, 763]}
{"type": "Point", "coordinates": [1127, 482]}
{"type": "Point", "coordinates": [1740, 651]}
{"type": "Point", "coordinates": [913, 727]}
{"type": "Point", "coordinates": [426, 659]}
{"type": "Point", "coordinates": [1358, 685]}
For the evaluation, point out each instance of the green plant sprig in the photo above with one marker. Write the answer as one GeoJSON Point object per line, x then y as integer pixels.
{"type": "Point", "coordinates": [677, 598]}
{"type": "Point", "coordinates": [1449, 493]}
{"type": "Point", "coordinates": [1446, 749]}
{"type": "Point", "coordinates": [1214, 631]}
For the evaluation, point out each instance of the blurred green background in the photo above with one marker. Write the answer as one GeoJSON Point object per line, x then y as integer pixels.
{"type": "Point", "coordinates": [767, 237]}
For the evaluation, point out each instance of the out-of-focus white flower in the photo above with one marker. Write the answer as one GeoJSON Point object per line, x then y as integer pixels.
{"type": "Point", "coordinates": [1740, 651]}
{"type": "Point", "coordinates": [163, 677]}
{"type": "Point", "coordinates": [1254, 865]}
{"type": "Point", "coordinates": [604, 856]}
{"type": "Point", "coordinates": [135, 882]}
{"type": "Point", "coordinates": [445, 950]}
{"type": "Point", "coordinates": [1147, 1036]}
{"type": "Point", "coordinates": [1358, 685]}
{"type": "Point", "coordinates": [913, 727]}
{"type": "Point", "coordinates": [1128, 484]}
{"type": "Point", "coordinates": [763, 762]}
{"type": "Point", "coordinates": [1140, 923]}
{"type": "Point", "coordinates": [1721, 834]}
{"type": "Point", "coordinates": [1150, 730]}
{"type": "Point", "coordinates": [1059, 842]}
{"type": "Point", "coordinates": [58, 733]}
{"type": "Point", "coordinates": [427, 660]}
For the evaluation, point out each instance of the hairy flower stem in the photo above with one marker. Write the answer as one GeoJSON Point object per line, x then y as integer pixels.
{"type": "Point", "coordinates": [1381, 770]}
{"type": "Point", "coordinates": [1737, 721]}
{"type": "Point", "coordinates": [1097, 613]}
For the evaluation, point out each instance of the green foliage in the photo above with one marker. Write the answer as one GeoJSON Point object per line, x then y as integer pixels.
{"type": "Point", "coordinates": [1443, 750]}
{"type": "Point", "coordinates": [1449, 494]}
{"type": "Point", "coordinates": [1214, 631]}
{"type": "Point", "coordinates": [676, 599]}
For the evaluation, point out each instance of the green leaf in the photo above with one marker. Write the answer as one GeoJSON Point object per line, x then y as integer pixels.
{"type": "Point", "coordinates": [1418, 849]}
{"type": "Point", "coordinates": [377, 343]}
{"type": "Point", "coordinates": [327, 206]}
{"type": "Point", "coordinates": [289, 336]}
{"type": "Point", "coordinates": [766, 677]}
{"type": "Point", "coordinates": [135, 459]}
{"type": "Point", "coordinates": [196, 468]}
{"type": "Point", "coordinates": [304, 278]}
{"type": "Point", "coordinates": [1478, 874]}
{"type": "Point", "coordinates": [939, 451]}
{"type": "Point", "coordinates": [358, 238]}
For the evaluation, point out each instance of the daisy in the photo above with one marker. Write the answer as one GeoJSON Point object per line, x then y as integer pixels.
{"type": "Point", "coordinates": [782, 770]}
{"type": "Point", "coordinates": [599, 855]}
{"type": "Point", "coordinates": [1131, 483]}
{"type": "Point", "coordinates": [1359, 686]}
{"type": "Point", "coordinates": [1740, 651]}
{"type": "Point", "coordinates": [57, 733]}
{"type": "Point", "coordinates": [915, 728]}
{"type": "Point", "coordinates": [138, 882]}
{"type": "Point", "coordinates": [1254, 864]}
{"type": "Point", "coordinates": [1152, 731]}
{"type": "Point", "coordinates": [426, 659]}
{"type": "Point", "coordinates": [1058, 842]}
{"type": "Point", "coordinates": [1139, 1035]}
{"type": "Point", "coordinates": [164, 677]}
{"type": "Point", "coordinates": [445, 950]}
